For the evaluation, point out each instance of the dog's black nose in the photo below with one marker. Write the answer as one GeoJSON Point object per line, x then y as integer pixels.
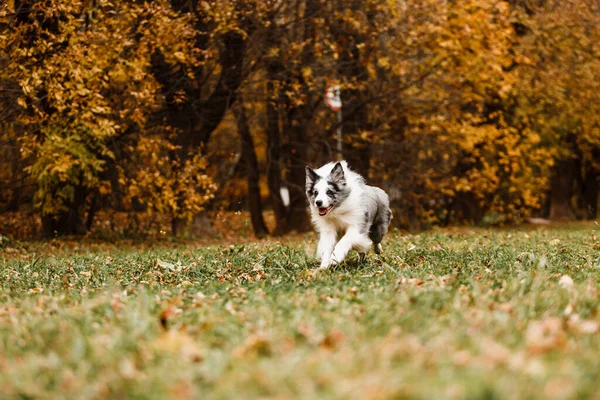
{"type": "Point", "coordinates": [319, 203]}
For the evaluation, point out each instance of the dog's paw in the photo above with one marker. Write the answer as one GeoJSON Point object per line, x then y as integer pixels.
{"type": "Point", "coordinates": [362, 257]}
{"type": "Point", "coordinates": [377, 248]}
{"type": "Point", "coordinates": [336, 259]}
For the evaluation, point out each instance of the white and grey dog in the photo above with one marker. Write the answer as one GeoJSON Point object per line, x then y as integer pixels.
{"type": "Point", "coordinates": [346, 212]}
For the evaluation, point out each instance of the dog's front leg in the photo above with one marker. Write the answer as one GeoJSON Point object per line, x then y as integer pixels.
{"type": "Point", "coordinates": [353, 239]}
{"type": "Point", "coordinates": [327, 241]}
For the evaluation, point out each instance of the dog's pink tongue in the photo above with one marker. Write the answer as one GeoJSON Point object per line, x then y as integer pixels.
{"type": "Point", "coordinates": [322, 210]}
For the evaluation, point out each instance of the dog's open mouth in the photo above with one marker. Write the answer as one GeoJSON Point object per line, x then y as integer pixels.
{"type": "Point", "coordinates": [324, 210]}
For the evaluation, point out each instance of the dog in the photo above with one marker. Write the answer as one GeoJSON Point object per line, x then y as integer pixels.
{"type": "Point", "coordinates": [347, 213]}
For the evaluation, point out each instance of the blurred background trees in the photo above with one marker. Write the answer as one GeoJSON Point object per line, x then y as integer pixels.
{"type": "Point", "coordinates": [478, 112]}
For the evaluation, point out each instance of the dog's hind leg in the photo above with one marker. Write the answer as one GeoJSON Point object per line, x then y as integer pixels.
{"type": "Point", "coordinates": [377, 248]}
{"type": "Point", "coordinates": [361, 257]}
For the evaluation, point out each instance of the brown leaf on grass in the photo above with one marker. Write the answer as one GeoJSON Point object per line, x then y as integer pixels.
{"type": "Point", "coordinates": [569, 309]}
{"type": "Point", "coordinates": [230, 307]}
{"type": "Point", "coordinates": [461, 358]}
{"type": "Point", "coordinates": [330, 300]}
{"type": "Point", "coordinates": [445, 280]}
{"type": "Point", "coordinates": [167, 314]}
{"type": "Point", "coordinates": [179, 343]}
{"type": "Point", "coordinates": [199, 300]}
{"type": "Point", "coordinates": [588, 327]}
{"type": "Point", "coordinates": [257, 268]}
{"type": "Point", "coordinates": [332, 339]}
{"type": "Point", "coordinates": [494, 352]}
{"type": "Point", "coordinates": [410, 281]}
{"type": "Point", "coordinates": [127, 368]}
{"type": "Point", "coordinates": [565, 282]}
{"type": "Point", "coordinates": [504, 307]}
{"type": "Point", "coordinates": [585, 327]}
{"type": "Point", "coordinates": [255, 345]}
{"type": "Point", "coordinates": [305, 330]}
{"type": "Point", "coordinates": [116, 303]}
{"type": "Point", "coordinates": [542, 336]}
{"type": "Point", "coordinates": [559, 388]}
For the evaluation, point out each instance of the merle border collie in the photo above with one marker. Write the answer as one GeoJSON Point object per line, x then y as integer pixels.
{"type": "Point", "coordinates": [347, 213]}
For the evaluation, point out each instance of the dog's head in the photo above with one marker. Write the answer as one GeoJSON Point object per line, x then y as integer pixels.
{"type": "Point", "coordinates": [326, 192]}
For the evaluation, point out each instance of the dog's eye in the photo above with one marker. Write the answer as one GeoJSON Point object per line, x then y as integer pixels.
{"type": "Point", "coordinates": [329, 193]}
{"type": "Point", "coordinates": [315, 193]}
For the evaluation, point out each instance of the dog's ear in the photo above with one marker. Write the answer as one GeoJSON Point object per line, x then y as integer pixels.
{"type": "Point", "coordinates": [311, 178]}
{"type": "Point", "coordinates": [337, 174]}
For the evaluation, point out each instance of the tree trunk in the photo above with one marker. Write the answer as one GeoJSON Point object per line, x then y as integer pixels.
{"type": "Point", "coordinates": [252, 173]}
{"type": "Point", "coordinates": [297, 217]}
{"type": "Point", "coordinates": [17, 179]}
{"type": "Point", "coordinates": [299, 116]}
{"type": "Point", "coordinates": [196, 120]}
{"type": "Point", "coordinates": [358, 153]}
{"type": "Point", "coordinates": [69, 221]}
{"type": "Point", "coordinates": [89, 222]}
{"type": "Point", "coordinates": [352, 67]}
{"type": "Point", "coordinates": [590, 193]}
{"type": "Point", "coordinates": [561, 190]}
{"type": "Point", "coordinates": [273, 153]}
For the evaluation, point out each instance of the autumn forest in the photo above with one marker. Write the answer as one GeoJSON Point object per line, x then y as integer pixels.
{"type": "Point", "coordinates": [465, 112]}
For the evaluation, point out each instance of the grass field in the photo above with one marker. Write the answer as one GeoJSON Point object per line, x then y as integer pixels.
{"type": "Point", "coordinates": [476, 314]}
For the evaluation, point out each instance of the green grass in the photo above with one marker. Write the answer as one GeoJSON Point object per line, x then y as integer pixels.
{"type": "Point", "coordinates": [445, 314]}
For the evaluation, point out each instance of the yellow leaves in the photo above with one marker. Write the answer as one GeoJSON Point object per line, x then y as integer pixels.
{"type": "Point", "coordinates": [155, 185]}
{"type": "Point", "coordinates": [384, 62]}
{"type": "Point", "coordinates": [307, 73]}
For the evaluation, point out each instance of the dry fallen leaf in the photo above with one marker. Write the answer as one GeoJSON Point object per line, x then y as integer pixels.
{"type": "Point", "coordinates": [559, 388]}
{"type": "Point", "coordinates": [332, 339]}
{"type": "Point", "coordinates": [230, 307]}
{"type": "Point", "coordinates": [167, 314]}
{"type": "Point", "coordinates": [257, 344]}
{"type": "Point", "coordinates": [461, 358]}
{"type": "Point", "coordinates": [181, 343]}
{"type": "Point", "coordinates": [410, 281]}
{"type": "Point", "coordinates": [565, 281]}
{"type": "Point", "coordinates": [545, 335]}
{"type": "Point", "coordinates": [505, 307]}
{"type": "Point", "coordinates": [589, 327]}
{"type": "Point", "coordinates": [569, 309]}
{"type": "Point", "coordinates": [494, 352]}
{"type": "Point", "coordinates": [585, 327]}
{"type": "Point", "coordinates": [127, 368]}
{"type": "Point", "coordinates": [116, 303]}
